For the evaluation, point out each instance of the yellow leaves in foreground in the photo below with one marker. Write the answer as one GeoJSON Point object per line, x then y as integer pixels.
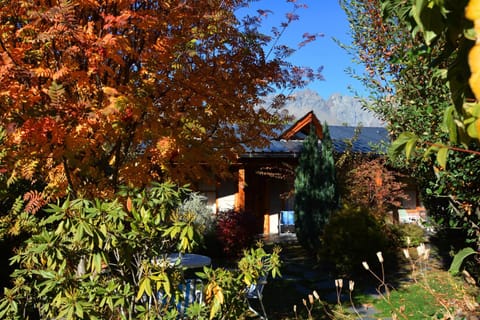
{"type": "Point", "coordinates": [214, 292]}
{"type": "Point", "coordinates": [472, 12]}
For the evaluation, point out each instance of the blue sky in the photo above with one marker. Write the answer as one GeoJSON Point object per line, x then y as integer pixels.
{"type": "Point", "coordinates": [321, 16]}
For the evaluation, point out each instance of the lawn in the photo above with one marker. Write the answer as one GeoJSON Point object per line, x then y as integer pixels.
{"type": "Point", "coordinates": [436, 293]}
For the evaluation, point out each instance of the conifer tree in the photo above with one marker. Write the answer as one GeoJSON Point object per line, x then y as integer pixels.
{"type": "Point", "coordinates": [315, 188]}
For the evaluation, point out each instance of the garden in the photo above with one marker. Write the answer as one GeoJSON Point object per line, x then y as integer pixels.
{"type": "Point", "coordinates": [114, 112]}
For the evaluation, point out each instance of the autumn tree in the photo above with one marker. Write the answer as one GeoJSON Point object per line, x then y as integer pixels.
{"type": "Point", "coordinates": [315, 188]}
{"type": "Point", "coordinates": [96, 94]}
{"type": "Point", "coordinates": [372, 185]}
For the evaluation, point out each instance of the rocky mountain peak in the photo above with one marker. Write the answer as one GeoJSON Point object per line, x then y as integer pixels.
{"type": "Point", "coordinates": [336, 110]}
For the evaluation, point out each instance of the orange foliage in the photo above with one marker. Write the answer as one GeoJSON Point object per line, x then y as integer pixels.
{"type": "Point", "coordinates": [103, 93]}
{"type": "Point", "coordinates": [372, 185]}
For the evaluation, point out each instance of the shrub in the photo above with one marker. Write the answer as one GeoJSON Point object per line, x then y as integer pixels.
{"type": "Point", "coordinates": [372, 185]}
{"type": "Point", "coordinates": [226, 288]}
{"type": "Point", "coordinates": [204, 219]}
{"type": "Point", "coordinates": [354, 235]}
{"type": "Point", "coordinates": [92, 259]}
{"type": "Point", "coordinates": [411, 231]}
{"type": "Point", "coordinates": [236, 231]}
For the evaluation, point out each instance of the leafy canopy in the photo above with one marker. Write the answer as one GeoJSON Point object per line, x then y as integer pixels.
{"type": "Point", "coordinates": [418, 85]}
{"type": "Point", "coordinates": [96, 94]}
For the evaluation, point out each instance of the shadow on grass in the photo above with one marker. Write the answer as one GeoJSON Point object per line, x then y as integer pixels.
{"type": "Point", "coordinates": [301, 274]}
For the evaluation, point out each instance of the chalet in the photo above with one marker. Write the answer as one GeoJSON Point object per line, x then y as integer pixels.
{"type": "Point", "coordinates": [256, 186]}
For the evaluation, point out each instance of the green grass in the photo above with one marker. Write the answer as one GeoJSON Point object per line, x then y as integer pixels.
{"type": "Point", "coordinates": [433, 296]}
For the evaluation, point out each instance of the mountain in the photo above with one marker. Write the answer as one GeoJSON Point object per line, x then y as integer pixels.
{"type": "Point", "coordinates": [336, 110]}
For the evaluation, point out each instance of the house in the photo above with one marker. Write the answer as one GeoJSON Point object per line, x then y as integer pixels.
{"type": "Point", "coordinates": [255, 186]}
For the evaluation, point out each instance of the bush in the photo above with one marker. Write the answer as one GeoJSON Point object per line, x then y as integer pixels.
{"type": "Point", "coordinates": [236, 231]}
{"type": "Point", "coordinates": [204, 219]}
{"type": "Point", "coordinates": [94, 258]}
{"type": "Point", "coordinates": [225, 288]}
{"type": "Point", "coordinates": [411, 231]}
{"type": "Point", "coordinates": [354, 235]}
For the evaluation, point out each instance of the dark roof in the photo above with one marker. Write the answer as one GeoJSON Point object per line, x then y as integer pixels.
{"type": "Point", "coordinates": [369, 140]}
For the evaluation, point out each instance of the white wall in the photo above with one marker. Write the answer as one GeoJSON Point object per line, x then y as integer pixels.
{"type": "Point", "coordinates": [226, 195]}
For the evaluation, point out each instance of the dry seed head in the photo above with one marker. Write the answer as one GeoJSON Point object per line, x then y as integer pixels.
{"type": "Point", "coordinates": [304, 302]}
{"type": "Point", "coordinates": [421, 250]}
{"type": "Point", "coordinates": [426, 254]}
{"type": "Point", "coordinates": [406, 253]}
{"type": "Point", "coordinates": [365, 265]}
{"type": "Point", "coordinates": [295, 308]}
{"type": "Point", "coordinates": [380, 256]}
{"type": "Point", "coordinates": [310, 298]}
{"type": "Point", "coordinates": [351, 285]}
{"type": "Point", "coordinates": [315, 294]}
{"type": "Point", "coordinates": [339, 283]}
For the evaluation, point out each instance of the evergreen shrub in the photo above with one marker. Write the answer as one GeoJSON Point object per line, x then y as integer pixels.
{"type": "Point", "coordinates": [411, 231]}
{"type": "Point", "coordinates": [353, 235]}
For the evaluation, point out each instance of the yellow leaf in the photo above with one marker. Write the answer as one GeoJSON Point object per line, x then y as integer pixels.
{"type": "Point", "coordinates": [109, 91]}
{"type": "Point", "coordinates": [442, 155]}
{"type": "Point", "coordinates": [112, 161]}
{"type": "Point", "coordinates": [474, 82]}
{"type": "Point", "coordinates": [477, 125]}
{"type": "Point", "coordinates": [145, 287]}
{"type": "Point", "coordinates": [472, 11]}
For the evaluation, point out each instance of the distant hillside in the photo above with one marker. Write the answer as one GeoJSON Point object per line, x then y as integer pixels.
{"type": "Point", "coordinates": [337, 110]}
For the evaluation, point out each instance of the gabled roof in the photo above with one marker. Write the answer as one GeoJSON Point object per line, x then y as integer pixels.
{"type": "Point", "coordinates": [301, 128]}
{"type": "Point", "coordinates": [289, 143]}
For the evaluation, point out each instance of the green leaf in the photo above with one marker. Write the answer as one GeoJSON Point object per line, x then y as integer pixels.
{"type": "Point", "coordinates": [405, 142]}
{"type": "Point", "coordinates": [430, 150]}
{"type": "Point", "coordinates": [97, 262]}
{"type": "Point", "coordinates": [459, 258]}
{"type": "Point", "coordinates": [429, 18]}
{"type": "Point", "coordinates": [442, 156]}
{"type": "Point", "coordinates": [449, 123]}
{"type": "Point", "coordinates": [145, 287]}
{"type": "Point", "coordinates": [409, 147]}
{"type": "Point", "coordinates": [472, 130]}
{"type": "Point", "coordinates": [79, 310]}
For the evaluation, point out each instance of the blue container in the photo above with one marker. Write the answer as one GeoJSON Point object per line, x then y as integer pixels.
{"type": "Point", "coordinates": [287, 218]}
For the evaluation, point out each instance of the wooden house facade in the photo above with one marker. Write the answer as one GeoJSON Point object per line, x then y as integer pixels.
{"type": "Point", "coordinates": [262, 180]}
